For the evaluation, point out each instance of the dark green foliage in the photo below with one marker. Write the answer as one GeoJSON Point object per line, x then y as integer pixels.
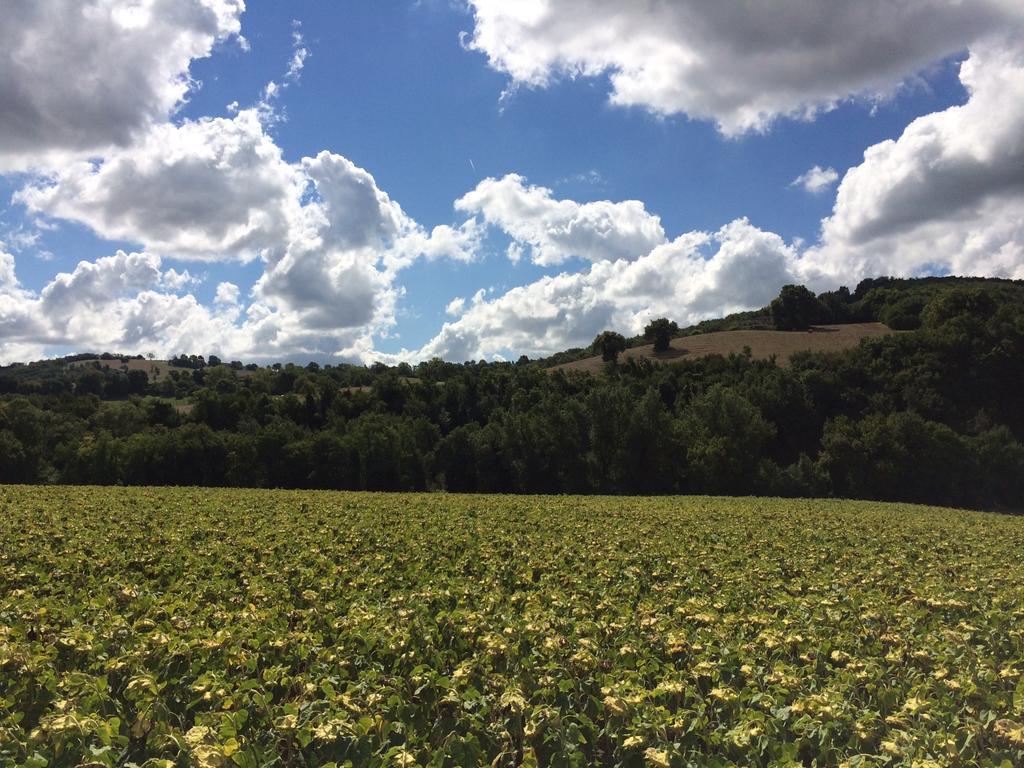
{"type": "Point", "coordinates": [660, 332]}
{"type": "Point", "coordinates": [609, 345]}
{"type": "Point", "coordinates": [795, 309]}
{"type": "Point", "coordinates": [724, 435]}
{"type": "Point", "coordinates": [935, 415]}
{"type": "Point", "coordinates": [899, 457]}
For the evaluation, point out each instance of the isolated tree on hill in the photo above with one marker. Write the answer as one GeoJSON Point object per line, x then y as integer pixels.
{"type": "Point", "coordinates": [609, 344]}
{"type": "Point", "coordinates": [795, 309]}
{"type": "Point", "coordinates": [661, 332]}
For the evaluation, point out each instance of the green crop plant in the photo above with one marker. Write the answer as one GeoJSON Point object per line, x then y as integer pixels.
{"type": "Point", "coordinates": [188, 627]}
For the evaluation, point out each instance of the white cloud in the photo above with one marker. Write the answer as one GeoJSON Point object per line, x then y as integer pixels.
{"type": "Point", "coordinates": [456, 306]}
{"type": "Point", "coordinates": [737, 63]}
{"type": "Point", "coordinates": [174, 280]}
{"type": "Point", "coordinates": [947, 195]}
{"type": "Point", "coordinates": [272, 91]}
{"type": "Point", "coordinates": [299, 53]}
{"type": "Point", "coordinates": [8, 279]}
{"type": "Point", "coordinates": [20, 239]}
{"type": "Point", "coordinates": [137, 57]}
{"type": "Point", "coordinates": [816, 180]}
{"type": "Point", "coordinates": [359, 214]}
{"type": "Point", "coordinates": [207, 189]}
{"type": "Point", "coordinates": [461, 243]}
{"type": "Point", "coordinates": [227, 293]}
{"type": "Point", "coordinates": [74, 303]}
{"type": "Point", "coordinates": [556, 230]}
{"type": "Point", "coordinates": [111, 304]}
{"type": "Point", "coordinates": [339, 267]}
{"type": "Point", "coordinates": [332, 243]}
{"type": "Point", "coordinates": [693, 277]}
{"type": "Point", "coordinates": [120, 303]}
{"type": "Point", "coordinates": [331, 240]}
{"type": "Point", "coordinates": [213, 189]}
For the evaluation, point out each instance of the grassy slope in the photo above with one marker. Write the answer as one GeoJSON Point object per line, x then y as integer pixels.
{"type": "Point", "coordinates": [189, 625]}
{"type": "Point", "coordinates": [156, 370]}
{"type": "Point", "coordinates": [763, 344]}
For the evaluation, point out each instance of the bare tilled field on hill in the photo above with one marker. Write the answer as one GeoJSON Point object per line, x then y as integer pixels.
{"type": "Point", "coordinates": [763, 344]}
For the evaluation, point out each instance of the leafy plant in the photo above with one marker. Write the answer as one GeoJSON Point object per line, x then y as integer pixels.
{"type": "Point", "coordinates": [186, 627]}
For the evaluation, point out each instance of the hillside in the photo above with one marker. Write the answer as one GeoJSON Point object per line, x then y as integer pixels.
{"type": "Point", "coordinates": [215, 627]}
{"type": "Point", "coordinates": [155, 370]}
{"type": "Point", "coordinates": [933, 414]}
{"type": "Point", "coordinates": [898, 303]}
{"type": "Point", "coordinates": [763, 345]}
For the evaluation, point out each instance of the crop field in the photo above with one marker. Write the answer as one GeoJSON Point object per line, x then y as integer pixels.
{"type": "Point", "coordinates": [781, 345]}
{"type": "Point", "coordinates": [186, 627]}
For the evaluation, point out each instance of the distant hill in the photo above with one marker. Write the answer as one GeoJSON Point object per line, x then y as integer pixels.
{"type": "Point", "coordinates": [903, 390]}
{"type": "Point", "coordinates": [763, 345]}
{"type": "Point", "coordinates": [897, 303]}
{"type": "Point", "coordinates": [156, 370]}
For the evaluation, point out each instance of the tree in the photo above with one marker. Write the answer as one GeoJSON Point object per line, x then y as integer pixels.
{"type": "Point", "coordinates": [898, 457]}
{"type": "Point", "coordinates": [137, 381]}
{"type": "Point", "coordinates": [724, 435]}
{"type": "Point", "coordinates": [661, 331]}
{"type": "Point", "coordinates": [609, 344]}
{"type": "Point", "coordinates": [795, 309]}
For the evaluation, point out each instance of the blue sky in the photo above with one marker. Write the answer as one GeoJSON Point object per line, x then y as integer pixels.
{"type": "Point", "coordinates": [432, 99]}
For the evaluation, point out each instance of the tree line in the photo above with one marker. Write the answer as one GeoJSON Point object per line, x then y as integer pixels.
{"type": "Point", "coordinates": [934, 415]}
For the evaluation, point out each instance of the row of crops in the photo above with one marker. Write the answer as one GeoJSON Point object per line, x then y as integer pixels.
{"type": "Point", "coordinates": [186, 627]}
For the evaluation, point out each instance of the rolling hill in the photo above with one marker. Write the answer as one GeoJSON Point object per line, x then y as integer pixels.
{"type": "Point", "coordinates": [763, 345]}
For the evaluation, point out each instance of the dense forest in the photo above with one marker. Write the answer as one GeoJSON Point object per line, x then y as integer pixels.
{"type": "Point", "coordinates": [934, 414]}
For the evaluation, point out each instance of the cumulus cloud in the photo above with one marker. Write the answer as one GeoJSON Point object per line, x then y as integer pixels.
{"type": "Point", "coordinates": [8, 279]}
{"type": "Point", "coordinates": [73, 302]}
{"type": "Point", "coordinates": [227, 293]}
{"type": "Point", "coordinates": [121, 303]}
{"type": "Point", "coordinates": [557, 230]}
{"type": "Point", "coordinates": [696, 276]}
{"type": "Point", "coordinates": [461, 243]}
{"type": "Point", "coordinates": [816, 180]}
{"type": "Point", "coordinates": [332, 243]}
{"type": "Point", "coordinates": [339, 269]}
{"type": "Point", "coordinates": [358, 212]}
{"type": "Point", "coordinates": [331, 240]}
{"type": "Point", "coordinates": [174, 280]}
{"type": "Point", "coordinates": [737, 63]}
{"type": "Point", "coordinates": [334, 286]}
{"type": "Point", "coordinates": [109, 303]}
{"type": "Point", "coordinates": [21, 328]}
{"type": "Point", "coordinates": [948, 194]}
{"type": "Point", "coordinates": [46, 111]}
{"type": "Point", "coordinates": [207, 189]}
{"type": "Point", "coordinates": [456, 306]}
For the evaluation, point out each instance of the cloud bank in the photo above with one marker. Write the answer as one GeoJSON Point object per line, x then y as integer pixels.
{"type": "Point", "coordinates": [49, 111]}
{"type": "Point", "coordinates": [739, 64]}
{"type": "Point", "coordinates": [333, 248]}
{"type": "Point", "coordinates": [948, 194]}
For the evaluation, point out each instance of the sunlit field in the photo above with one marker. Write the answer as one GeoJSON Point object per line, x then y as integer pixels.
{"type": "Point", "coordinates": [187, 627]}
